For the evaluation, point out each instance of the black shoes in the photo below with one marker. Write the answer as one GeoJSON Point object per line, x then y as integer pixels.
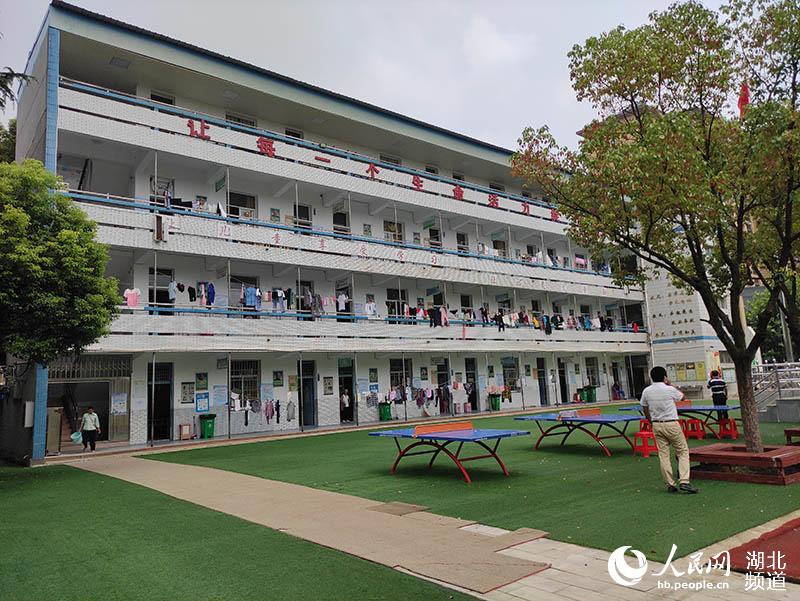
{"type": "Point", "coordinates": [685, 487]}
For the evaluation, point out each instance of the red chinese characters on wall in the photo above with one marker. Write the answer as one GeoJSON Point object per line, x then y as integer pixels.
{"type": "Point", "coordinates": [323, 244]}
{"type": "Point", "coordinates": [266, 146]}
{"type": "Point", "coordinates": [554, 214]}
{"type": "Point", "coordinates": [416, 181]}
{"type": "Point", "coordinates": [200, 131]}
{"type": "Point", "coordinates": [372, 171]}
{"type": "Point", "coordinates": [494, 201]}
{"type": "Point", "coordinates": [526, 208]}
{"type": "Point", "coordinates": [458, 192]}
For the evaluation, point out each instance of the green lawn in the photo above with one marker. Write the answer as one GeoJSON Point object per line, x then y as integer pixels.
{"type": "Point", "coordinates": [73, 535]}
{"type": "Point", "coordinates": [574, 492]}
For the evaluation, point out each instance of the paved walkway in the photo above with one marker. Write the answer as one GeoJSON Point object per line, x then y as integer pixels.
{"type": "Point", "coordinates": [490, 563]}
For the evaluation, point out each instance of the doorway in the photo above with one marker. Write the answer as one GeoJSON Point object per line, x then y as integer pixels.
{"type": "Point", "coordinates": [471, 376]}
{"type": "Point", "coordinates": [347, 312]}
{"type": "Point", "coordinates": [159, 398]}
{"type": "Point", "coordinates": [305, 298]}
{"type": "Point", "coordinates": [562, 380]}
{"type": "Point", "coordinates": [541, 375]}
{"type": "Point", "coordinates": [158, 290]}
{"type": "Point", "coordinates": [637, 374]}
{"type": "Point", "coordinates": [346, 414]}
{"type": "Point", "coordinates": [395, 299]}
{"type": "Point", "coordinates": [302, 216]}
{"type": "Point", "coordinates": [443, 385]}
{"type": "Point", "coordinates": [307, 376]}
{"type": "Point", "coordinates": [74, 398]}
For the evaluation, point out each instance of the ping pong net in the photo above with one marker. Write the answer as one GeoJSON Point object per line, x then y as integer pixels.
{"type": "Point", "coordinates": [436, 428]}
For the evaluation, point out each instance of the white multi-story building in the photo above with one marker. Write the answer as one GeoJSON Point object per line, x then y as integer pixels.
{"type": "Point", "coordinates": [202, 171]}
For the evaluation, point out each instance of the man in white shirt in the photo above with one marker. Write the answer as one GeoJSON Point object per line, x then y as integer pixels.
{"type": "Point", "coordinates": [658, 403]}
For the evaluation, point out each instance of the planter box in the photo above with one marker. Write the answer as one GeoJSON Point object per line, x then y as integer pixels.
{"type": "Point", "coordinates": [731, 462]}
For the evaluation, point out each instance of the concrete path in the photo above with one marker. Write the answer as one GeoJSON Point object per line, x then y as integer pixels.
{"type": "Point", "coordinates": [491, 563]}
{"type": "Point", "coordinates": [423, 543]}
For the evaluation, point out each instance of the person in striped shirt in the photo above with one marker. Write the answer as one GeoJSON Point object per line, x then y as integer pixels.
{"type": "Point", "coordinates": [719, 392]}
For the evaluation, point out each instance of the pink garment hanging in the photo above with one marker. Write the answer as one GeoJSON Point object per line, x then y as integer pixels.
{"type": "Point", "coordinates": [445, 318]}
{"type": "Point", "coordinates": [241, 295]}
{"type": "Point", "coordinates": [203, 300]}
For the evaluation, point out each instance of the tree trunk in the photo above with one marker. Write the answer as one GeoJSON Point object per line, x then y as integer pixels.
{"type": "Point", "coordinates": [747, 401]}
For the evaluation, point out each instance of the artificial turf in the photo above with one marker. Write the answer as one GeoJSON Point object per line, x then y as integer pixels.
{"type": "Point", "coordinates": [574, 492]}
{"type": "Point", "coordinates": [69, 534]}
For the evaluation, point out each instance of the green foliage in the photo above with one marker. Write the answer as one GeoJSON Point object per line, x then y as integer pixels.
{"type": "Point", "coordinates": [772, 348]}
{"type": "Point", "coordinates": [672, 173]}
{"type": "Point", "coordinates": [8, 141]}
{"type": "Point", "coordinates": [54, 297]}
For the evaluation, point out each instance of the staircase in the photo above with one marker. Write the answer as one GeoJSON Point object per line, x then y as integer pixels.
{"type": "Point", "coordinates": [777, 391]}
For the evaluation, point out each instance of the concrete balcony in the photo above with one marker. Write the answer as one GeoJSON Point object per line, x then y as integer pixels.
{"type": "Point", "coordinates": [199, 330]}
{"type": "Point", "coordinates": [92, 111]}
{"type": "Point", "coordinates": [131, 223]}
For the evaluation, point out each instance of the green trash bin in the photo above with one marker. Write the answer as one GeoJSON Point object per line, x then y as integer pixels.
{"type": "Point", "coordinates": [207, 425]}
{"type": "Point", "coordinates": [385, 412]}
{"type": "Point", "coordinates": [591, 394]}
{"type": "Point", "coordinates": [494, 402]}
{"type": "Point", "coordinates": [584, 393]}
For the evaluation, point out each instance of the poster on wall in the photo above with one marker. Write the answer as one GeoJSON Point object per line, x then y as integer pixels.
{"type": "Point", "coordinates": [277, 379]}
{"type": "Point", "coordinates": [680, 370]}
{"type": "Point", "coordinates": [373, 375]}
{"type": "Point", "coordinates": [201, 380]}
{"type": "Point", "coordinates": [220, 395]}
{"type": "Point", "coordinates": [292, 382]}
{"type": "Point", "coordinates": [274, 215]}
{"type": "Point", "coordinates": [327, 385]}
{"type": "Point", "coordinates": [363, 386]}
{"type": "Point", "coordinates": [689, 372]}
{"type": "Point", "coordinates": [187, 392]}
{"type": "Point", "coordinates": [222, 362]}
{"type": "Point", "coordinates": [119, 403]}
{"type": "Point", "coordinates": [700, 371]}
{"type": "Point", "coordinates": [201, 402]}
{"type": "Point", "coordinates": [527, 370]}
{"type": "Point", "coordinates": [266, 392]}
{"type": "Point", "coordinates": [367, 229]}
{"type": "Point", "coordinates": [423, 373]}
{"type": "Point", "coordinates": [374, 388]}
{"type": "Point", "coordinates": [671, 372]}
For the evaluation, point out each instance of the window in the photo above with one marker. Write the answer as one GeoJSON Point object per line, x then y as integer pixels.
{"type": "Point", "coordinates": [395, 299]}
{"type": "Point", "coordinates": [393, 231]}
{"type": "Point", "coordinates": [432, 169]}
{"type": "Point", "coordinates": [556, 308]}
{"type": "Point", "coordinates": [462, 242]}
{"type": "Point", "coordinates": [341, 221]}
{"type": "Point", "coordinates": [302, 216]}
{"type": "Point", "coordinates": [500, 248]}
{"type": "Point", "coordinates": [240, 119]}
{"type": "Point", "coordinates": [511, 373]}
{"type": "Point", "coordinates": [398, 369]}
{"type": "Point", "coordinates": [242, 205]}
{"type": "Point", "coordinates": [496, 186]}
{"type": "Point", "coordinates": [246, 379]}
{"type": "Point", "coordinates": [158, 288]}
{"type": "Point", "coordinates": [586, 309]}
{"type": "Point", "coordinates": [162, 98]}
{"type": "Point", "coordinates": [466, 301]}
{"type": "Point", "coordinates": [532, 250]}
{"type": "Point", "coordinates": [458, 176]}
{"type": "Point", "coordinates": [536, 307]}
{"type": "Point", "coordinates": [592, 372]}
{"type": "Point", "coordinates": [434, 238]}
{"type": "Point", "coordinates": [294, 133]}
{"type": "Point", "coordinates": [386, 158]}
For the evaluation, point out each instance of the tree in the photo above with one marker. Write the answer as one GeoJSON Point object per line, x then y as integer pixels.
{"type": "Point", "coordinates": [54, 298]}
{"type": "Point", "coordinates": [772, 345]}
{"type": "Point", "coordinates": [670, 173]}
{"type": "Point", "coordinates": [8, 141]}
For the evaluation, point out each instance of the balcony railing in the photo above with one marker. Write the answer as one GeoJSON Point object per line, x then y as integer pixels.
{"type": "Point", "coordinates": [428, 258]}
{"type": "Point", "coordinates": [161, 117]}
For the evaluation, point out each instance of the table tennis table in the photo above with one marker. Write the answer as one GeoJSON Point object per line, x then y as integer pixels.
{"type": "Point", "coordinates": [440, 436]}
{"type": "Point", "coordinates": [707, 414]}
{"type": "Point", "coordinates": [580, 420]}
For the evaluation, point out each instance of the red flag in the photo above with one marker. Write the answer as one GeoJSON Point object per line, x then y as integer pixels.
{"type": "Point", "coordinates": [744, 99]}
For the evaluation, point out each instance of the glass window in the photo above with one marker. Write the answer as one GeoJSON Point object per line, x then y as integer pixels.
{"type": "Point", "coordinates": [393, 231]}
{"type": "Point", "coordinates": [242, 205]}
{"type": "Point", "coordinates": [387, 158]}
{"type": "Point", "coordinates": [462, 242]}
{"type": "Point", "coordinates": [496, 186]}
{"type": "Point", "coordinates": [432, 169]}
{"type": "Point", "coordinates": [396, 373]}
{"type": "Point", "coordinates": [592, 371]}
{"type": "Point", "coordinates": [246, 379]}
{"type": "Point", "coordinates": [458, 176]}
{"type": "Point", "coordinates": [294, 133]}
{"type": "Point", "coordinates": [162, 98]}
{"type": "Point", "coordinates": [240, 119]}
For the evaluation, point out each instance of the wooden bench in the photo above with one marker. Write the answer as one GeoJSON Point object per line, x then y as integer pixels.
{"type": "Point", "coordinates": [790, 434]}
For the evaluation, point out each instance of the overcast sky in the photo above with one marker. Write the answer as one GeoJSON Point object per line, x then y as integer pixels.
{"type": "Point", "coordinates": [485, 68]}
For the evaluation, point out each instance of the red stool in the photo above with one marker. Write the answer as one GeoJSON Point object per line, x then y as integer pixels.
{"type": "Point", "coordinates": [692, 428]}
{"type": "Point", "coordinates": [727, 429]}
{"type": "Point", "coordinates": [644, 442]}
{"type": "Point", "coordinates": [645, 426]}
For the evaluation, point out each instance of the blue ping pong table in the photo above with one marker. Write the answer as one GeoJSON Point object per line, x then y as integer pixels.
{"type": "Point", "coordinates": [567, 422]}
{"type": "Point", "coordinates": [440, 436]}
{"type": "Point", "coordinates": [705, 413]}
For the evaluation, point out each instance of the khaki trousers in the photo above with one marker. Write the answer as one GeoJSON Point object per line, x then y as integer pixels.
{"type": "Point", "coordinates": [669, 434]}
